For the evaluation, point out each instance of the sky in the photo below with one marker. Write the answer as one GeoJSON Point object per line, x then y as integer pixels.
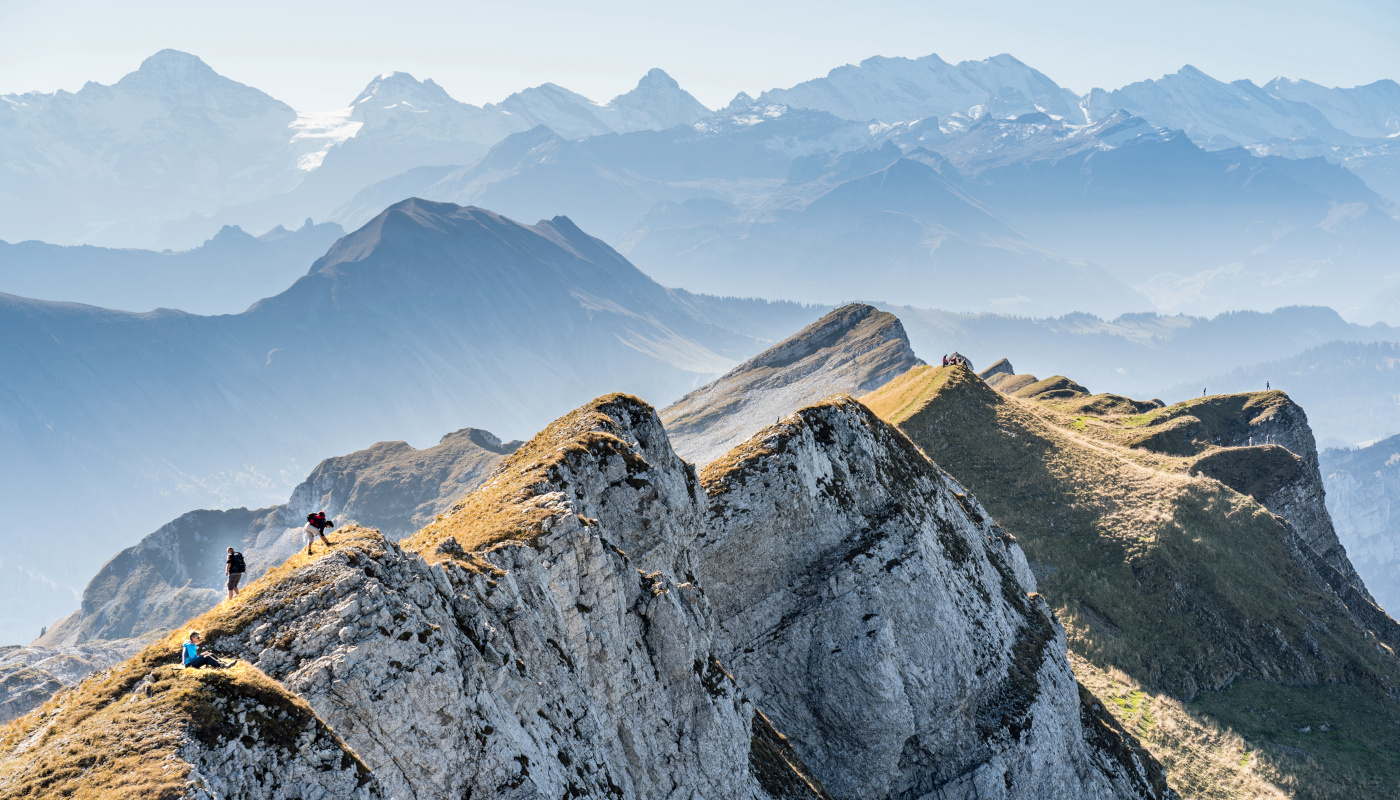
{"type": "Point", "coordinates": [319, 55]}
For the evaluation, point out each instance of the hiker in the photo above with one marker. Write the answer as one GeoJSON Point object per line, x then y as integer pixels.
{"type": "Point", "coordinates": [1266, 386]}
{"type": "Point", "coordinates": [945, 360]}
{"type": "Point", "coordinates": [193, 660]}
{"type": "Point", "coordinates": [234, 567]}
{"type": "Point", "coordinates": [316, 524]}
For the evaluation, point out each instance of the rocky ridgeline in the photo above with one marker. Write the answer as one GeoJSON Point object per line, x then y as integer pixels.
{"type": "Point", "coordinates": [820, 614]}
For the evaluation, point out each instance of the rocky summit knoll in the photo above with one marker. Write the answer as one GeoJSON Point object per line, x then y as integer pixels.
{"type": "Point", "coordinates": [820, 613]}
{"type": "Point", "coordinates": [1187, 550]}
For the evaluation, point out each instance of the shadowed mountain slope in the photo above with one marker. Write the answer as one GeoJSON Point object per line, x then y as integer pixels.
{"type": "Point", "coordinates": [852, 349]}
{"type": "Point", "coordinates": [429, 315]}
{"type": "Point", "coordinates": [908, 228]}
{"type": "Point", "coordinates": [225, 275]}
{"type": "Point", "coordinates": [1187, 602]}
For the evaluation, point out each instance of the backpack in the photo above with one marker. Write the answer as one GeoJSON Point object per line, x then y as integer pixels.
{"type": "Point", "coordinates": [239, 565]}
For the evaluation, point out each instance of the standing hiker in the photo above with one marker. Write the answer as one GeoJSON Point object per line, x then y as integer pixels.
{"type": "Point", "coordinates": [316, 524]}
{"type": "Point", "coordinates": [191, 657]}
{"type": "Point", "coordinates": [234, 567]}
{"type": "Point", "coordinates": [945, 360]}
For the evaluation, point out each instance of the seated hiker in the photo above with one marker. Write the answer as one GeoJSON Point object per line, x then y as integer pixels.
{"type": "Point", "coordinates": [234, 567]}
{"type": "Point", "coordinates": [191, 657]}
{"type": "Point", "coordinates": [316, 524]}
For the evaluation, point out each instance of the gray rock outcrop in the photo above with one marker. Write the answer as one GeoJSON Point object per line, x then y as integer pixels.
{"type": "Point", "coordinates": [887, 625]}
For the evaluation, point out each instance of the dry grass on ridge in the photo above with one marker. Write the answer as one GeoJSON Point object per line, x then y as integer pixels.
{"type": "Point", "coordinates": [1177, 581]}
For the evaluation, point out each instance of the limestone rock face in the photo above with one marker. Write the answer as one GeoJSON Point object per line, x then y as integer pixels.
{"type": "Point", "coordinates": [569, 673]}
{"type": "Point", "coordinates": [248, 763]}
{"type": "Point", "coordinates": [854, 349]}
{"type": "Point", "coordinates": [885, 625]}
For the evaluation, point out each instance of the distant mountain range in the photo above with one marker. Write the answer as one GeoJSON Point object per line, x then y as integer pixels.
{"type": "Point", "coordinates": [128, 164]}
{"type": "Point", "coordinates": [1119, 215]}
{"type": "Point", "coordinates": [224, 275]}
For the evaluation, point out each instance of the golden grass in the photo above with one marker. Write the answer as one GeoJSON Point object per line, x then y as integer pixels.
{"type": "Point", "coordinates": [115, 734]}
{"type": "Point", "coordinates": [511, 505]}
{"type": "Point", "coordinates": [118, 736]}
{"type": "Point", "coordinates": [1201, 759]}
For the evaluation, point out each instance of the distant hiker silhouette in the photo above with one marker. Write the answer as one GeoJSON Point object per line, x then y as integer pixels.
{"type": "Point", "coordinates": [191, 657]}
{"type": "Point", "coordinates": [234, 567]}
{"type": "Point", "coordinates": [316, 524]}
{"type": "Point", "coordinates": [1266, 386]}
{"type": "Point", "coordinates": [945, 361]}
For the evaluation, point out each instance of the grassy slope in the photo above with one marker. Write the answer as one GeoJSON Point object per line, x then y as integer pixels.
{"type": "Point", "coordinates": [115, 735]}
{"type": "Point", "coordinates": [1175, 583]}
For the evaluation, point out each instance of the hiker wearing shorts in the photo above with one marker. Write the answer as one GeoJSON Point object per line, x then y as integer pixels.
{"type": "Point", "coordinates": [316, 525]}
{"type": "Point", "coordinates": [191, 657]}
{"type": "Point", "coordinates": [234, 567]}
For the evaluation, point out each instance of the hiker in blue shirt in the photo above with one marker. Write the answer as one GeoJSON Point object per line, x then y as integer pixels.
{"type": "Point", "coordinates": [191, 657]}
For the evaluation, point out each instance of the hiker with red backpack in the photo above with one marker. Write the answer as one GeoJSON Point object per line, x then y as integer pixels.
{"type": "Point", "coordinates": [316, 524]}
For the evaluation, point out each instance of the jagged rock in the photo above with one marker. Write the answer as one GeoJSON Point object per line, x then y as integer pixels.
{"type": "Point", "coordinates": [855, 348]}
{"type": "Point", "coordinates": [885, 625]}
{"type": "Point", "coordinates": [1002, 367]}
{"type": "Point", "coordinates": [450, 547]}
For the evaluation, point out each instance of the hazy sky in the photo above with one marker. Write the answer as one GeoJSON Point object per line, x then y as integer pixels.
{"type": "Point", "coordinates": [318, 56]}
